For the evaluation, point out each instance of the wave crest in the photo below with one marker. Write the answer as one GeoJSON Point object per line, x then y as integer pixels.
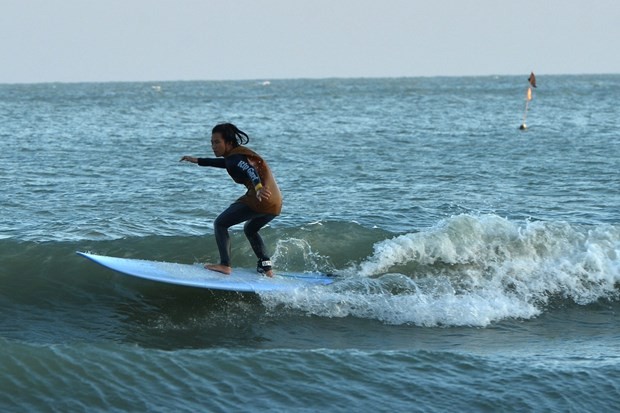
{"type": "Point", "coordinates": [472, 270]}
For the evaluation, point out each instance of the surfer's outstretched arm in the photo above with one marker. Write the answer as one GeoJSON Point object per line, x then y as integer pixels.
{"type": "Point", "coordinates": [215, 162]}
{"type": "Point", "coordinates": [190, 159]}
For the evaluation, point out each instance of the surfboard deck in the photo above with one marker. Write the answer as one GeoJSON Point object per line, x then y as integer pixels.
{"type": "Point", "coordinates": [241, 280]}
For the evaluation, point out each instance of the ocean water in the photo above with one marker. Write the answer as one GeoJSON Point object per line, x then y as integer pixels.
{"type": "Point", "coordinates": [479, 264]}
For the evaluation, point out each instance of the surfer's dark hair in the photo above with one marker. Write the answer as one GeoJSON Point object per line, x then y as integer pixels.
{"type": "Point", "coordinates": [231, 134]}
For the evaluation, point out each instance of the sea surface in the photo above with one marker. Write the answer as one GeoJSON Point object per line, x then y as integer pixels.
{"type": "Point", "coordinates": [479, 264]}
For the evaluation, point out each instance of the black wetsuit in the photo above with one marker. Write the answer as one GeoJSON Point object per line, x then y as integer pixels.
{"type": "Point", "coordinates": [239, 169]}
{"type": "Point", "coordinates": [237, 166]}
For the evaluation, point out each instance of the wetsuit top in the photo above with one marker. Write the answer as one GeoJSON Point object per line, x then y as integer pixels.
{"type": "Point", "coordinates": [247, 168]}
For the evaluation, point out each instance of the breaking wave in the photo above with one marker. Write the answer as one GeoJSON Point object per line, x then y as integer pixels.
{"type": "Point", "coordinates": [469, 270]}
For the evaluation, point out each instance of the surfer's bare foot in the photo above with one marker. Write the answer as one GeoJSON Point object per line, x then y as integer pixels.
{"type": "Point", "coordinates": [219, 268]}
{"type": "Point", "coordinates": [264, 267]}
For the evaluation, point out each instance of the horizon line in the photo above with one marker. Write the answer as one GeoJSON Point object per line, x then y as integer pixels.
{"type": "Point", "coordinates": [257, 79]}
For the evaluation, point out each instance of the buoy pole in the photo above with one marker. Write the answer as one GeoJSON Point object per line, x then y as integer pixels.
{"type": "Point", "coordinates": [528, 97]}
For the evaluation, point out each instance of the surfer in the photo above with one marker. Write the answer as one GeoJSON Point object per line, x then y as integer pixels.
{"type": "Point", "coordinates": [261, 203]}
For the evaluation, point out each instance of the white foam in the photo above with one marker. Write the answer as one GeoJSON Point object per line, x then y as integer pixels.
{"type": "Point", "coordinates": [471, 270]}
{"type": "Point", "coordinates": [292, 251]}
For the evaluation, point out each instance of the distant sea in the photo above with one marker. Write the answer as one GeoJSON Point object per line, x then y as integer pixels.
{"type": "Point", "coordinates": [479, 264]}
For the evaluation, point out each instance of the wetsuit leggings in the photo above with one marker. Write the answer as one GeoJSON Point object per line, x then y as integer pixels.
{"type": "Point", "coordinates": [254, 221]}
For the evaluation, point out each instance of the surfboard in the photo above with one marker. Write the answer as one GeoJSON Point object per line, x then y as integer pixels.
{"type": "Point", "coordinates": [241, 280]}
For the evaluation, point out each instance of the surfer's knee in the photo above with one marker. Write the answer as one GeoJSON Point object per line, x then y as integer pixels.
{"type": "Point", "coordinates": [219, 223]}
{"type": "Point", "coordinates": [249, 230]}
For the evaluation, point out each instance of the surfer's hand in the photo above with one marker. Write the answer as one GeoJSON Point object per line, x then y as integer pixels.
{"type": "Point", "coordinates": [263, 193]}
{"type": "Point", "coordinates": [189, 159]}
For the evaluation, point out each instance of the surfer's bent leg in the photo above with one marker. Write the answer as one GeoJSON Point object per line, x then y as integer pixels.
{"type": "Point", "coordinates": [234, 214]}
{"type": "Point", "coordinates": [251, 229]}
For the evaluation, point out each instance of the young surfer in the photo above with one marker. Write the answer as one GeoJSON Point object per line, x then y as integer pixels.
{"type": "Point", "coordinates": [261, 203]}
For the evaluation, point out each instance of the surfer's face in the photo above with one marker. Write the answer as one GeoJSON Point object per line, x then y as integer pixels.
{"type": "Point", "coordinates": [219, 146]}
